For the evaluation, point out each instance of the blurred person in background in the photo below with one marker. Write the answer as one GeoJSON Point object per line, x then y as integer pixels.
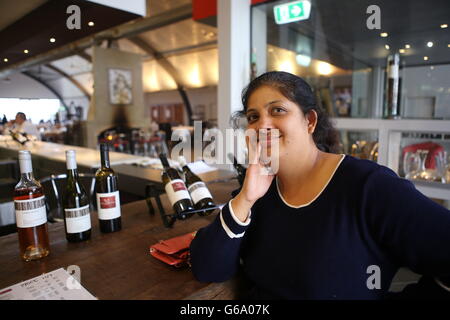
{"type": "Point", "coordinates": [22, 125]}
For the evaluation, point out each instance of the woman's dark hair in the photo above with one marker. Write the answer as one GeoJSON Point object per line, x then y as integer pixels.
{"type": "Point", "coordinates": [298, 91]}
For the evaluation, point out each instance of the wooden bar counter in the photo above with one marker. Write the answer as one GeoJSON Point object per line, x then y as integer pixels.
{"type": "Point", "coordinates": [118, 265]}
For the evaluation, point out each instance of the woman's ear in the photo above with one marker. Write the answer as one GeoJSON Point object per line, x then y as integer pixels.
{"type": "Point", "coordinates": [311, 118]}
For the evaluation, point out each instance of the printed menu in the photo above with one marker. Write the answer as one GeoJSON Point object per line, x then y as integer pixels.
{"type": "Point", "coordinates": [55, 285]}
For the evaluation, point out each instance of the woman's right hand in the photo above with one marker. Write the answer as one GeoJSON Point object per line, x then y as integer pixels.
{"type": "Point", "coordinates": [256, 183]}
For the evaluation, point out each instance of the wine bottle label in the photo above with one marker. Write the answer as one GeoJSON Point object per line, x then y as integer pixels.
{"type": "Point", "coordinates": [199, 191]}
{"type": "Point", "coordinates": [393, 71]}
{"type": "Point", "coordinates": [30, 213]}
{"type": "Point", "coordinates": [108, 205]}
{"type": "Point", "coordinates": [176, 190]}
{"type": "Point", "coordinates": [78, 219]}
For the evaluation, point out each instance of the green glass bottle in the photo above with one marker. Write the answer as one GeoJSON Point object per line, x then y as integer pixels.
{"type": "Point", "coordinates": [77, 216]}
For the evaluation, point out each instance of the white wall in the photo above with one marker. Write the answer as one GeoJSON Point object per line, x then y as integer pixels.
{"type": "Point", "coordinates": [202, 96]}
{"type": "Point", "coordinates": [24, 87]}
{"type": "Point", "coordinates": [426, 92]}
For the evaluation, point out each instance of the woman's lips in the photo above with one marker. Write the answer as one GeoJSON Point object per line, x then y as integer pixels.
{"type": "Point", "coordinates": [268, 140]}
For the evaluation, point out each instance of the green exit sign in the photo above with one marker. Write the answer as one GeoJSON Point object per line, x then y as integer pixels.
{"type": "Point", "coordinates": [292, 11]}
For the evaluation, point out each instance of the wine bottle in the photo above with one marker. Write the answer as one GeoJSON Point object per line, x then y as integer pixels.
{"type": "Point", "coordinates": [392, 87]}
{"type": "Point", "coordinates": [201, 197]}
{"type": "Point", "coordinates": [107, 190]}
{"type": "Point", "coordinates": [77, 217]}
{"type": "Point", "coordinates": [240, 169]}
{"type": "Point", "coordinates": [176, 190]}
{"type": "Point", "coordinates": [31, 215]}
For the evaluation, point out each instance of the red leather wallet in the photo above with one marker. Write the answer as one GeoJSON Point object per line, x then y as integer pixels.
{"type": "Point", "coordinates": [173, 251]}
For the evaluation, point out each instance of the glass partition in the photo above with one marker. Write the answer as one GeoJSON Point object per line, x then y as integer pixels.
{"type": "Point", "coordinates": [342, 53]}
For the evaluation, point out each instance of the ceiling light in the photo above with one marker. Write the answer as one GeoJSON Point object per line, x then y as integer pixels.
{"type": "Point", "coordinates": [444, 25]}
{"type": "Point", "coordinates": [90, 23]}
{"type": "Point", "coordinates": [425, 58]}
{"type": "Point", "coordinates": [383, 34]}
{"type": "Point", "coordinates": [303, 60]}
{"type": "Point", "coordinates": [402, 50]}
{"type": "Point", "coordinates": [25, 51]}
{"type": "Point", "coordinates": [429, 44]}
{"type": "Point", "coordinates": [407, 46]}
{"type": "Point", "coordinates": [6, 59]}
{"type": "Point", "coordinates": [448, 45]}
{"type": "Point", "coordinates": [386, 46]}
{"type": "Point", "coordinates": [324, 68]}
{"type": "Point", "coordinates": [52, 40]}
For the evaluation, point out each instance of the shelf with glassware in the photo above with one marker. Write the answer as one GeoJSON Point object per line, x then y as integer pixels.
{"type": "Point", "coordinates": [415, 149]}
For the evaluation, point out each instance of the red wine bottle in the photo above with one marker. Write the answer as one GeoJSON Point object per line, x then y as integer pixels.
{"type": "Point", "coordinates": [201, 197]}
{"type": "Point", "coordinates": [176, 190]}
{"type": "Point", "coordinates": [77, 216]}
{"type": "Point", "coordinates": [107, 190]}
{"type": "Point", "coordinates": [392, 107]}
{"type": "Point", "coordinates": [31, 215]}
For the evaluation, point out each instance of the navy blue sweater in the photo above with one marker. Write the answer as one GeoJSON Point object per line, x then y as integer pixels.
{"type": "Point", "coordinates": [365, 218]}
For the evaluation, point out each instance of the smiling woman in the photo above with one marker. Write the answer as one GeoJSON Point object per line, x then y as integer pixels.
{"type": "Point", "coordinates": [35, 109]}
{"type": "Point", "coordinates": [320, 225]}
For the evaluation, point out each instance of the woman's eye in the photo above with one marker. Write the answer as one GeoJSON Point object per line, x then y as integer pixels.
{"type": "Point", "coordinates": [252, 118]}
{"type": "Point", "coordinates": [277, 110]}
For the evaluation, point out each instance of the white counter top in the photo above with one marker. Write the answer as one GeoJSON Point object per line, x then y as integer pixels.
{"type": "Point", "coordinates": [85, 157]}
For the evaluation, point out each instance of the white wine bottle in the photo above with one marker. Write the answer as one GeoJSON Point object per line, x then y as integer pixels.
{"type": "Point", "coordinates": [77, 216]}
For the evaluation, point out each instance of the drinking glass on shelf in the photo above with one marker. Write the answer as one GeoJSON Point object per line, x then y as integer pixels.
{"type": "Point", "coordinates": [426, 174]}
{"type": "Point", "coordinates": [443, 165]}
{"type": "Point", "coordinates": [411, 164]}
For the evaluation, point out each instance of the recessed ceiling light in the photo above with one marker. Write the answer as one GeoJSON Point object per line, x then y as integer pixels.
{"type": "Point", "coordinates": [90, 23]}
{"type": "Point", "coordinates": [448, 45]}
{"type": "Point", "coordinates": [407, 46]}
{"type": "Point", "coordinates": [429, 44]}
{"type": "Point", "coordinates": [444, 25]}
{"type": "Point", "coordinates": [6, 59]}
{"type": "Point", "coordinates": [25, 51]}
{"type": "Point", "coordinates": [383, 34]}
{"type": "Point", "coordinates": [52, 40]}
{"type": "Point", "coordinates": [402, 50]}
{"type": "Point", "coordinates": [425, 58]}
{"type": "Point", "coordinates": [386, 46]}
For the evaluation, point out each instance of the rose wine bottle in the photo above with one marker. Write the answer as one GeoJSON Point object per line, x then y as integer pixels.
{"type": "Point", "coordinates": [107, 190]}
{"type": "Point", "coordinates": [77, 216]}
{"type": "Point", "coordinates": [31, 215]}
{"type": "Point", "coordinates": [176, 190]}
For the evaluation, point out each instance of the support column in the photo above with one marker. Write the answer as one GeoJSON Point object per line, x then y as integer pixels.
{"type": "Point", "coordinates": [233, 22]}
{"type": "Point", "coordinates": [259, 39]}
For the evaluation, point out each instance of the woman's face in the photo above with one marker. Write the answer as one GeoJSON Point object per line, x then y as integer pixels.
{"type": "Point", "coordinates": [269, 109]}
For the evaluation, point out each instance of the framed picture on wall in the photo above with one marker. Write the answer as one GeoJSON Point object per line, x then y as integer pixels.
{"type": "Point", "coordinates": [120, 86]}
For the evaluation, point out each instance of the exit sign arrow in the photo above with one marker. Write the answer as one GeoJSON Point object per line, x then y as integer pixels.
{"type": "Point", "coordinates": [292, 11]}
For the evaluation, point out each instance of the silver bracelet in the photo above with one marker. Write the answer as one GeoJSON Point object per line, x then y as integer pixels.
{"type": "Point", "coordinates": [441, 284]}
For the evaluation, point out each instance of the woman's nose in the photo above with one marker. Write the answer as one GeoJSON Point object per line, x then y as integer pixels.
{"type": "Point", "coordinates": [265, 122]}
